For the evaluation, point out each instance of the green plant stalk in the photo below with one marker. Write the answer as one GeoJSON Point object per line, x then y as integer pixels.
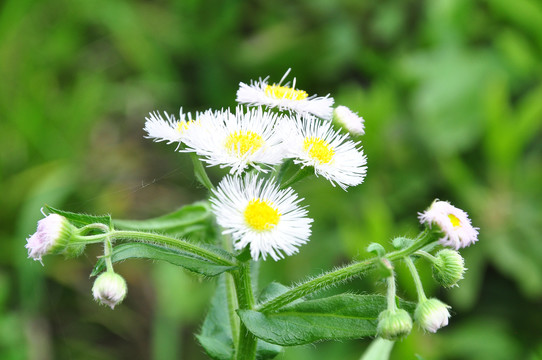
{"type": "Point", "coordinates": [108, 250]}
{"type": "Point", "coordinates": [342, 274]}
{"type": "Point", "coordinates": [416, 278]}
{"type": "Point", "coordinates": [171, 242]}
{"type": "Point", "coordinates": [246, 346]}
{"type": "Point", "coordinates": [299, 175]}
{"type": "Point", "coordinates": [391, 292]}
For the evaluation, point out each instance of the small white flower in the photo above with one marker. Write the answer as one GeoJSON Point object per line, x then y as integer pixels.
{"type": "Point", "coordinates": [236, 140]}
{"type": "Point", "coordinates": [333, 155]}
{"type": "Point", "coordinates": [432, 314]}
{"type": "Point", "coordinates": [349, 120]}
{"type": "Point", "coordinates": [52, 236]}
{"type": "Point", "coordinates": [454, 223]}
{"type": "Point", "coordinates": [168, 129]}
{"type": "Point", "coordinates": [284, 97]}
{"type": "Point", "coordinates": [257, 213]}
{"type": "Point", "coordinates": [109, 289]}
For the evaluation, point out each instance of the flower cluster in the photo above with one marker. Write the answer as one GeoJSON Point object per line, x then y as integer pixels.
{"type": "Point", "coordinates": [274, 122]}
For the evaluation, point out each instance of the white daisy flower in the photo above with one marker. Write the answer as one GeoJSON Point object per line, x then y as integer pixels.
{"type": "Point", "coordinates": [258, 214]}
{"type": "Point", "coordinates": [168, 129]}
{"type": "Point", "coordinates": [236, 140]}
{"type": "Point", "coordinates": [349, 120]}
{"type": "Point", "coordinates": [284, 97]}
{"type": "Point", "coordinates": [454, 223]}
{"type": "Point", "coordinates": [332, 154]}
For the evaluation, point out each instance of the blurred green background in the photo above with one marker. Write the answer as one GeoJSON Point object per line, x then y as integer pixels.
{"type": "Point", "coordinates": [451, 91]}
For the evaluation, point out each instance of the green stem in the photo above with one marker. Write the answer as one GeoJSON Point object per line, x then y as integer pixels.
{"type": "Point", "coordinates": [426, 255]}
{"type": "Point", "coordinates": [342, 274]}
{"type": "Point", "coordinates": [108, 250]}
{"type": "Point", "coordinates": [232, 306]}
{"type": "Point", "coordinates": [391, 292]}
{"type": "Point", "coordinates": [171, 242]}
{"type": "Point", "coordinates": [246, 348]}
{"type": "Point", "coordinates": [416, 278]}
{"type": "Point", "coordinates": [300, 174]}
{"type": "Point", "coordinates": [200, 172]}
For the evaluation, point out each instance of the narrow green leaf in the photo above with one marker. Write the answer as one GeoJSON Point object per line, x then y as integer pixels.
{"type": "Point", "coordinates": [380, 349]}
{"type": "Point", "coordinates": [80, 220]}
{"type": "Point", "coordinates": [154, 252]}
{"type": "Point", "coordinates": [188, 219]}
{"type": "Point", "coordinates": [345, 316]}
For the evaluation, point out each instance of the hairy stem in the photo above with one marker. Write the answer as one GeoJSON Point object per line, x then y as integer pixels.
{"type": "Point", "coordinates": [246, 348]}
{"type": "Point", "coordinates": [173, 243]}
{"type": "Point", "coordinates": [342, 274]}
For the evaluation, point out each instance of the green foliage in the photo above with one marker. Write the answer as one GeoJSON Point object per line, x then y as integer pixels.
{"type": "Point", "coordinates": [79, 77]}
{"type": "Point", "coordinates": [154, 252]}
{"type": "Point", "coordinates": [188, 219]}
{"type": "Point", "coordinates": [345, 316]}
{"type": "Point", "coordinates": [81, 220]}
{"type": "Point", "coordinates": [215, 335]}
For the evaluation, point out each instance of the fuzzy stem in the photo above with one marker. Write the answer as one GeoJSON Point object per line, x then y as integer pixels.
{"type": "Point", "coordinates": [391, 292]}
{"type": "Point", "coordinates": [108, 250]}
{"type": "Point", "coordinates": [416, 278]}
{"type": "Point", "coordinates": [171, 242]}
{"type": "Point", "coordinates": [246, 348]}
{"type": "Point", "coordinates": [342, 274]}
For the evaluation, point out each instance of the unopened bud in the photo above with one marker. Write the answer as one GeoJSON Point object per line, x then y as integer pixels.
{"type": "Point", "coordinates": [109, 289]}
{"type": "Point", "coordinates": [394, 324]}
{"type": "Point", "coordinates": [432, 314]}
{"type": "Point", "coordinates": [448, 268]}
{"type": "Point", "coordinates": [51, 237]}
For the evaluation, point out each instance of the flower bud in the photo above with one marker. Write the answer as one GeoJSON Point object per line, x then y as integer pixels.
{"type": "Point", "coordinates": [448, 268]}
{"type": "Point", "coordinates": [349, 120]}
{"type": "Point", "coordinates": [109, 289]}
{"type": "Point", "coordinates": [394, 324]}
{"type": "Point", "coordinates": [432, 314]}
{"type": "Point", "coordinates": [51, 237]}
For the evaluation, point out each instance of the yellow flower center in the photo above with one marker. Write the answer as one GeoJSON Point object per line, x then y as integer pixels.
{"type": "Point", "coordinates": [243, 141]}
{"type": "Point", "coordinates": [455, 221]}
{"type": "Point", "coordinates": [182, 126]}
{"type": "Point", "coordinates": [284, 92]}
{"type": "Point", "coordinates": [260, 215]}
{"type": "Point", "coordinates": [318, 149]}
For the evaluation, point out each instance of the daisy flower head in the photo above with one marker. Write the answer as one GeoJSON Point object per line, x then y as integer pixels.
{"type": "Point", "coordinates": [258, 214]}
{"type": "Point", "coordinates": [454, 223]}
{"type": "Point", "coordinates": [332, 154]}
{"type": "Point", "coordinates": [168, 129]}
{"type": "Point", "coordinates": [245, 138]}
{"type": "Point", "coordinates": [284, 97]}
{"type": "Point", "coordinates": [349, 120]}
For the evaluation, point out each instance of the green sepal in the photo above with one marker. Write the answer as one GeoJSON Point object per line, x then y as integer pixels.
{"type": "Point", "coordinates": [345, 316]}
{"type": "Point", "coordinates": [189, 219]}
{"type": "Point", "coordinates": [154, 252]}
{"type": "Point", "coordinates": [80, 220]}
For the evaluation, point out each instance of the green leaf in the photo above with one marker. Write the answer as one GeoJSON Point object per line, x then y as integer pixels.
{"type": "Point", "coordinates": [80, 220]}
{"type": "Point", "coordinates": [146, 251]}
{"type": "Point", "coordinates": [345, 316]}
{"type": "Point", "coordinates": [215, 336]}
{"type": "Point", "coordinates": [188, 219]}
{"type": "Point", "coordinates": [380, 349]}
